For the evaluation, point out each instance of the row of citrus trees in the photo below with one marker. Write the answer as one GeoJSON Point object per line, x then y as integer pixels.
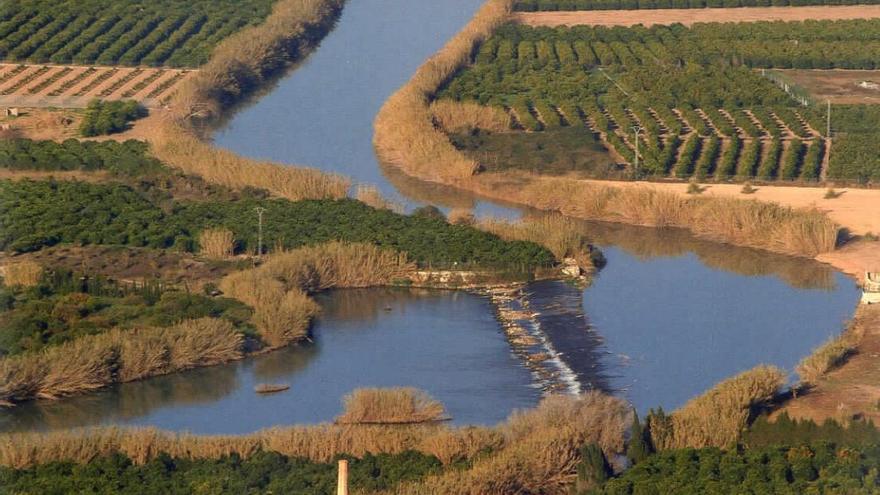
{"type": "Point", "coordinates": [663, 79]}
{"type": "Point", "coordinates": [163, 33]}
{"type": "Point", "coordinates": [554, 5]}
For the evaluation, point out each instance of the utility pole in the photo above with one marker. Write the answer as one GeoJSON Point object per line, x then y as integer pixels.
{"type": "Point", "coordinates": [828, 123]}
{"type": "Point", "coordinates": [260, 210]}
{"type": "Point", "coordinates": [637, 129]}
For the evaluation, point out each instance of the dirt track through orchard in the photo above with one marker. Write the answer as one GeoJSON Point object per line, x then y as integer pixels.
{"type": "Point", "coordinates": [693, 16]}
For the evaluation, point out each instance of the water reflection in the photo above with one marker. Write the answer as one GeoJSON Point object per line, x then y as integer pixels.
{"type": "Point", "coordinates": [445, 342]}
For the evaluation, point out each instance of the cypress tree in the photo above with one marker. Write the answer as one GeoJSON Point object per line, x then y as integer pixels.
{"type": "Point", "coordinates": [639, 447]}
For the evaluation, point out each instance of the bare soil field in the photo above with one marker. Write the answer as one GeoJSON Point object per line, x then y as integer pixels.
{"type": "Point", "coordinates": [41, 86]}
{"type": "Point", "coordinates": [693, 16]}
{"type": "Point", "coordinates": [838, 85]}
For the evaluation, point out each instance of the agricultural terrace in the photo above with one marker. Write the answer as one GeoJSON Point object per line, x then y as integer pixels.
{"type": "Point", "coordinates": [40, 86]}
{"type": "Point", "coordinates": [160, 33]}
{"type": "Point", "coordinates": [704, 106]}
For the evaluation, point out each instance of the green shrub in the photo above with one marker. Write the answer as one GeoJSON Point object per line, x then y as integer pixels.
{"type": "Point", "coordinates": [109, 117]}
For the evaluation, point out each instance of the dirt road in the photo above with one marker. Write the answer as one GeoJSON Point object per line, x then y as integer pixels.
{"type": "Point", "coordinates": [693, 16]}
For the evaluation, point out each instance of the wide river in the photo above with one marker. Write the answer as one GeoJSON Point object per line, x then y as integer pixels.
{"type": "Point", "coordinates": [667, 318]}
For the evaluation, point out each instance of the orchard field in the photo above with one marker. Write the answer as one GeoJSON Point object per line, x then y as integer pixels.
{"type": "Point", "coordinates": [563, 5]}
{"type": "Point", "coordinates": [697, 94]}
{"type": "Point", "coordinates": [167, 33]}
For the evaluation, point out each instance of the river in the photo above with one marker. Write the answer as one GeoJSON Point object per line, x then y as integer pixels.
{"type": "Point", "coordinates": [667, 318]}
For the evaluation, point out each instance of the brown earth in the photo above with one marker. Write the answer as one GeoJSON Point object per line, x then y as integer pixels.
{"type": "Point", "coordinates": [131, 264]}
{"type": "Point", "coordinates": [40, 123]}
{"type": "Point", "coordinates": [852, 390]}
{"type": "Point", "coordinates": [837, 85]}
{"type": "Point", "coordinates": [693, 16]}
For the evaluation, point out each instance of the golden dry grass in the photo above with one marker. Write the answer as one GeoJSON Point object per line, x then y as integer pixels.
{"type": "Point", "coordinates": [716, 418]}
{"type": "Point", "coordinates": [454, 116]}
{"type": "Point", "coordinates": [178, 146]}
{"type": "Point", "coordinates": [461, 216]}
{"type": "Point", "coordinates": [23, 274]}
{"type": "Point", "coordinates": [535, 451]}
{"type": "Point", "coordinates": [405, 131]}
{"type": "Point", "coordinates": [93, 362]}
{"type": "Point", "coordinates": [398, 405]}
{"type": "Point", "coordinates": [563, 236]}
{"type": "Point", "coordinates": [216, 243]}
{"type": "Point", "coordinates": [371, 196]}
{"type": "Point", "coordinates": [278, 289]}
{"type": "Point", "coordinates": [800, 232]}
{"type": "Point", "coordinates": [240, 65]}
{"type": "Point", "coordinates": [826, 357]}
{"type": "Point", "coordinates": [541, 448]}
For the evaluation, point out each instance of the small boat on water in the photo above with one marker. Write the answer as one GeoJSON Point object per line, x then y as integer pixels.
{"type": "Point", "coordinates": [269, 388]}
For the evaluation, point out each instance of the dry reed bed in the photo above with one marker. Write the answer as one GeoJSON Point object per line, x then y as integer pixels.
{"type": "Point", "coordinates": [400, 405]}
{"type": "Point", "coordinates": [718, 417]}
{"type": "Point", "coordinates": [23, 274]}
{"type": "Point", "coordinates": [535, 451]}
{"type": "Point", "coordinates": [217, 243]}
{"type": "Point", "coordinates": [240, 65]}
{"type": "Point", "coordinates": [562, 235]}
{"type": "Point", "coordinates": [93, 362]}
{"type": "Point", "coordinates": [408, 134]}
{"type": "Point", "coordinates": [278, 289]}
{"type": "Point", "coordinates": [832, 353]}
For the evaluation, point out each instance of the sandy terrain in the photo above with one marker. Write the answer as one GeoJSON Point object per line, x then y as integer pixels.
{"type": "Point", "coordinates": [856, 209]}
{"type": "Point", "coordinates": [853, 389]}
{"type": "Point", "coordinates": [693, 16]}
{"type": "Point", "coordinates": [838, 85]}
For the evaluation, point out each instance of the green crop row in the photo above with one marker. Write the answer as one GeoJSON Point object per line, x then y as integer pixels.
{"type": "Point", "coordinates": [127, 32]}
{"type": "Point", "coordinates": [673, 80]}
{"type": "Point", "coordinates": [554, 5]}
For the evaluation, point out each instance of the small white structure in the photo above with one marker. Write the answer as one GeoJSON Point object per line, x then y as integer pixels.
{"type": "Point", "coordinates": [12, 112]}
{"type": "Point", "coordinates": [871, 292]}
{"type": "Point", "coordinates": [869, 85]}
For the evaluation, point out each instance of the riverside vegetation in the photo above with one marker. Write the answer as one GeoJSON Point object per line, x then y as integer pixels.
{"type": "Point", "coordinates": [554, 5]}
{"type": "Point", "coordinates": [406, 135]}
{"type": "Point", "coordinates": [572, 437]}
{"type": "Point", "coordinates": [694, 91]}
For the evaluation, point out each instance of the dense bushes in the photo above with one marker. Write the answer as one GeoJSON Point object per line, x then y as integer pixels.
{"type": "Point", "coordinates": [109, 117]}
{"type": "Point", "coordinates": [128, 158]}
{"type": "Point", "coordinates": [552, 5]}
{"type": "Point", "coordinates": [164, 32]}
{"type": "Point", "coordinates": [264, 472]}
{"type": "Point", "coordinates": [816, 468]}
{"type": "Point", "coordinates": [39, 214]}
{"type": "Point", "coordinates": [67, 305]}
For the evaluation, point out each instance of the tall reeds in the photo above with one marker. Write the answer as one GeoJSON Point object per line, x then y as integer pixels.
{"type": "Point", "coordinates": [239, 66]}
{"type": "Point", "coordinates": [405, 131]}
{"type": "Point", "coordinates": [93, 362]}
{"type": "Point", "coordinates": [836, 350]}
{"type": "Point", "coordinates": [399, 405]}
{"type": "Point", "coordinates": [563, 236]}
{"type": "Point", "coordinates": [718, 417]}
{"type": "Point", "coordinates": [177, 145]}
{"type": "Point", "coordinates": [535, 451]}
{"type": "Point", "coordinates": [371, 196]}
{"type": "Point", "coordinates": [278, 289]}
{"type": "Point", "coordinates": [216, 243]}
{"type": "Point", "coordinates": [455, 116]}
{"type": "Point", "coordinates": [22, 274]}
{"type": "Point", "coordinates": [541, 448]}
